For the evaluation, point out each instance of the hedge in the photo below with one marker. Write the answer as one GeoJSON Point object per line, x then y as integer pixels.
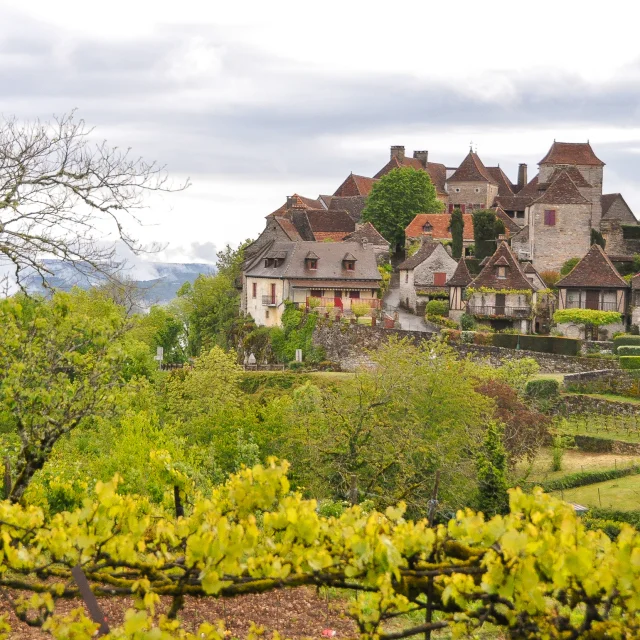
{"type": "Point", "coordinates": [543, 344]}
{"type": "Point", "coordinates": [582, 478]}
{"type": "Point", "coordinates": [625, 340]}
{"type": "Point", "coordinates": [629, 350]}
{"type": "Point", "coordinates": [437, 308]}
{"type": "Point", "coordinates": [630, 517]}
{"type": "Point", "coordinates": [543, 388]}
{"type": "Point", "coordinates": [630, 362]}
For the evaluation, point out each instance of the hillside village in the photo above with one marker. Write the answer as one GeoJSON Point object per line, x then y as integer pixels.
{"type": "Point", "coordinates": [319, 252]}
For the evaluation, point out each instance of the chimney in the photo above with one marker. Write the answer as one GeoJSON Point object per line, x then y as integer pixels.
{"type": "Point", "coordinates": [522, 176]}
{"type": "Point", "coordinates": [397, 151]}
{"type": "Point", "coordinates": [423, 156]}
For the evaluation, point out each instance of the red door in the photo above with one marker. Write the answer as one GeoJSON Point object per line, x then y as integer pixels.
{"type": "Point", "coordinates": [337, 300]}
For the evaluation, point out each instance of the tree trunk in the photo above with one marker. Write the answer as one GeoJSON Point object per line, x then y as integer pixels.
{"type": "Point", "coordinates": [353, 490]}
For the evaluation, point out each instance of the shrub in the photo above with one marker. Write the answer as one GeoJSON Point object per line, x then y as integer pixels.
{"type": "Point", "coordinates": [543, 388]}
{"type": "Point", "coordinates": [314, 303]}
{"type": "Point", "coordinates": [467, 322]}
{"type": "Point", "coordinates": [629, 350]}
{"type": "Point", "coordinates": [550, 278]}
{"type": "Point", "coordinates": [467, 337]}
{"type": "Point", "coordinates": [437, 308]}
{"type": "Point", "coordinates": [360, 309]}
{"type": "Point", "coordinates": [625, 340]}
{"type": "Point", "coordinates": [583, 478]}
{"type": "Point", "coordinates": [544, 344]}
{"type": "Point", "coordinates": [587, 317]}
{"type": "Point", "coordinates": [442, 321]}
{"type": "Point", "coordinates": [630, 362]}
{"type": "Point", "coordinates": [296, 366]}
{"type": "Point", "coordinates": [451, 335]}
{"type": "Point", "coordinates": [482, 338]}
{"type": "Point", "coordinates": [567, 267]}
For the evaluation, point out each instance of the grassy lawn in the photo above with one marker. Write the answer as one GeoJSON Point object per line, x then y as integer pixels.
{"type": "Point", "coordinates": [554, 376]}
{"type": "Point", "coordinates": [573, 461]}
{"type": "Point", "coordinates": [622, 494]}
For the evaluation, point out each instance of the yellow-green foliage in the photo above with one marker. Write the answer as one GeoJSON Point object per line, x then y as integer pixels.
{"type": "Point", "coordinates": [536, 572]}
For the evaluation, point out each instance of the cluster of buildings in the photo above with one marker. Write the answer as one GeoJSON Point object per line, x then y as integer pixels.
{"type": "Point", "coordinates": [318, 251]}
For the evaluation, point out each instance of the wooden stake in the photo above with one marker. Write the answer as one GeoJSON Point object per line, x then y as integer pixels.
{"type": "Point", "coordinates": [90, 600]}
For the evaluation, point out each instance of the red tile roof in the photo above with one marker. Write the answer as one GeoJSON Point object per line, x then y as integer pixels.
{"type": "Point", "coordinates": [574, 174]}
{"type": "Point", "coordinates": [571, 153]}
{"type": "Point", "coordinates": [289, 228]}
{"type": "Point", "coordinates": [440, 223]}
{"type": "Point", "coordinates": [297, 202]}
{"type": "Point", "coordinates": [510, 226]}
{"type": "Point", "coordinates": [562, 191]}
{"type": "Point", "coordinates": [530, 190]}
{"type": "Point", "coordinates": [505, 187]}
{"type": "Point", "coordinates": [335, 236]}
{"type": "Point", "coordinates": [355, 185]}
{"type": "Point", "coordinates": [515, 278]}
{"type": "Point", "coordinates": [471, 169]}
{"type": "Point", "coordinates": [437, 172]}
{"type": "Point", "coordinates": [594, 270]}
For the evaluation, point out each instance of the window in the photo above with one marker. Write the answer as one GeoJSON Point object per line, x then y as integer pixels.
{"type": "Point", "coordinates": [266, 313]}
{"type": "Point", "coordinates": [316, 293]}
{"type": "Point", "coordinates": [313, 264]}
{"type": "Point", "coordinates": [462, 208]}
{"type": "Point", "coordinates": [550, 217]}
{"type": "Point", "coordinates": [254, 290]}
{"type": "Point", "coordinates": [350, 265]}
{"type": "Point", "coordinates": [406, 276]}
{"type": "Point", "coordinates": [354, 295]}
{"type": "Point", "coordinates": [457, 189]}
{"type": "Point", "coordinates": [451, 208]}
{"type": "Point", "coordinates": [509, 213]}
{"type": "Point", "coordinates": [573, 299]}
{"type": "Point", "coordinates": [477, 190]}
{"type": "Point", "coordinates": [337, 293]}
{"type": "Point", "coordinates": [427, 228]}
{"type": "Point", "coordinates": [520, 214]}
{"type": "Point", "coordinates": [267, 262]}
{"type": "Point", "coordinates": [502, 272]}
{"type": "Point", "coordinates": [439, 279]}
{"type": "Point", "coordinates": [477, 206]}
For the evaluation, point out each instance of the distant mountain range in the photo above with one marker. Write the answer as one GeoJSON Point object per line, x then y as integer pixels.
{"type": "Point", "coordinates": [159, 281]}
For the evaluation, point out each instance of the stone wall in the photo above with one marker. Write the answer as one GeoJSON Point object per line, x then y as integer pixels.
{"type": "Point", "coordinates": [578, 404]}
{"type": "Point", "coordinates": [348, 345]}
{"type": "Point", "coordinates": [475, 193]}
{"type": "Point", "coordinates": [604, 381]}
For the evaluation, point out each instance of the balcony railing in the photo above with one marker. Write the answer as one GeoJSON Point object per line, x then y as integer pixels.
{"type": "Point", "coordinates": [269, 301]}
{"type": "Point", "coordinates": [601, 306]}
{"type": "Point", "coordinates": [341, 303]}
{"type": "Point", "coordinates": [499, 311]}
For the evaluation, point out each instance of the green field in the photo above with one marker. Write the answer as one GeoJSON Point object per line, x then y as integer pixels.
{"type": "Point", "coordinates": [622, 494]}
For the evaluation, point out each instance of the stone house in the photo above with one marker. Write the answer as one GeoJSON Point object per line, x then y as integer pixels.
{"type": "Point", "coordinates": [457, 286]}
{"type": "Point", "coordinates": [594, 283]}
{"type": "Point", "coordinates": [424, 275]}
{"type": "Point", "coordinates": [367, 235]}
{"type": "Point", "coordinates": [501, 295]}
{"type": "Point", "coordinates": [334, 274]}
{"type": "Point", "coordinates": [436, 227]}
{"type": "Point", "coordinates": [616, 214]}
{"type": "Point", "coordinates": [471, 186]}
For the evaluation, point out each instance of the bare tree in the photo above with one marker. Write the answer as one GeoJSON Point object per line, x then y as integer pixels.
{"type": "Point", "coordinates": [60, 192]}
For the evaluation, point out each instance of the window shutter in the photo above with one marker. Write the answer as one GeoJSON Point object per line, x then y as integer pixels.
{"type": "Point", "coordinates": [550, 217]}
{"type": "Point", "coordinates": [255, 289]}
{"type": "Point", "coordinates": [439, 279]}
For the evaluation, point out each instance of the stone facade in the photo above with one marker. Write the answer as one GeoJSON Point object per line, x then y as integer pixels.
{"type": "Point", "coordinates": [472, 195]}
{"type": "Point", "coordinates": [616, 212]}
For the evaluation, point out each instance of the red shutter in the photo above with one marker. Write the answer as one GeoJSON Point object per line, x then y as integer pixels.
{"type": "Point", "coordinates": [550, 217]}
{"type": "Point", "coordinates": [439, 279]}
{"type": "Point", "coordinates": [463, 208]}
{"type": "Point", "coordinates": [451, 208]}
{"type": "Point", "coordinates": [255, 289]}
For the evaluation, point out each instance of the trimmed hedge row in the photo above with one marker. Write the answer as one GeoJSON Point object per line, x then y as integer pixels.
{"type": "Point", "coordinates": [629, 350]}
{"type": "Point", "coordinates": [544, 344]}
{"type": "Point", "coordinates": [582, 478]}
{"type": "Point", "coordinates": [630, 517]}
{"type": "Point", "coordinates": [630, 362]}
{"type": "Point", "coordinates": [625, 340]}
{"type": "Point", "coordinates": [543, 388]}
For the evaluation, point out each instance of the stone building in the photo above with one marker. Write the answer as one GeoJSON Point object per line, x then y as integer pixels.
{"type": "Point", "coordinates": [616, 214]}
{"type": "Point", "coordinates": [594, 283]}
{"type": "Point", "coordinates": [334, 274]}
{"type": "Point", "coordinates": [436, 226]}
{"type": "Point", "coordinates": [367, 235]}
{"type": "Point", "coordinates": [423, 276]}
{"type": "Point", "coordinates": [501, 294]}
{"type": "Point", "coordinates": [457, 286]}
{"type": "Point", "coordinates": [471, 186]}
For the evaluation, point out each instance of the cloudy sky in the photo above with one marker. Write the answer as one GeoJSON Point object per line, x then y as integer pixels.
{"type": "Point", "coordinates": [258, 100]}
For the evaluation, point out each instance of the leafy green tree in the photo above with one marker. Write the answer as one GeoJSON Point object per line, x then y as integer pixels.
{"type": "Point", "coordinates": [485, 230]}
{"type": "Point", "coordinates": [162, 327]}
{"type": "Point", "coordinates": [457, 234]}
{"type": "Point", "coordinates": [568, 266]}
{"type": "Point", "coordinates": [587, 317]}
{"type": "Point", "coordinates": [491, 462]}
{"type": "Point", "coordinates": [62, 362]}
{"type": "Point", "coordinates": [396, 199]}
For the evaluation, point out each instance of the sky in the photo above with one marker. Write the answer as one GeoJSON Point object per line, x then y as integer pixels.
{"type": "Point", "coordinates": [254, 101]}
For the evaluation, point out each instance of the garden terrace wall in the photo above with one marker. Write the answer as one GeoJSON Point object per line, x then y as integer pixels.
{"type": "Point", "coordinates": [604, 381]}
{"type": "Point", "coordinates": [570, 404]}
{"type": "Point", "coordinates": [603, 445]}
{"type": "Point", "coordinates": [348, 345]}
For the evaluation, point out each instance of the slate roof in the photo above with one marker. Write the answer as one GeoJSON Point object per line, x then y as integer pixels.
{"type": "Point", "coordinates": [574, 173]}
{"type": "Point", "coordinates": [330, 263]}
{"type": "Point", "coordinates": [505, 187]}
{"type": "Point", "coordinates": [471, 169]}
{"type": "Point", "coordinates": [437, 172]}
{"type": "Point", "coordinates": [440, 226]}
{"type": "Point", "coordinates": [522, 235]}
{"type": "Point", "coordinates": [353, 205]}
{"type": "Point", "coordinates": [420, 256]}
{"type": "Point", "coordinates": [461, 276]}
{"type": "Point", "coordinates": [571, 153]}
{"type": "Point", "coordinates": [515, 278]}
{"type": "Point", "coordinates": [635, 282]}
{"type": "Point", "coordinates": [607, 201]}
{"type": "Point", "coordinates": [366, 232]}
{"type": "Point", "coordinates": [355, 185]}
{"type": "Point", "coordinates": [562, 191]}
{"type": "Point", "coordinates": [595, 270]}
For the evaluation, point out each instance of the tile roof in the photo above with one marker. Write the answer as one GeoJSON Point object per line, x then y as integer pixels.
{"type": "Point", "coordinates": [330, 236]}
{"type": "Point", "coordinates": [366, 232]}
{"type": "Point", "coordinates": [288, 227]}
{"type": "Point", "coordinates": [329, 267]}
{"type": "Point", "coordinates": [335, 284]}
{"type": "Point", "coordinates": [562, 191]}
{"type": "Point", "coordinates": [594, 270]}
{"type": "Point", "coordinates": [515, 278]}
{"type": "Point", "coordinates": [607, 201]}
{"type": "Point", "coordinates": [355, 185]}
{"type": "Point", "coordinates": [440, 226]}
{"type": "Point", "coordinates": [505, 187]}
{"type": "Point", "coordinates": [522, 235]}
{"type": "Point", "coordinates": [297, 202]}
{"type": "Point", "coordinates": [437, 172]}
{"type": "Point", "coordinates": [419, 256]}
{"type": "Point", "coordinates": [330, 221]}
{"type": "Point", "coordinates": [353, 205]}
{"type": "Point", "coordinates": [513, 203]}
{"type": "Point", "coordinates": [571, 153]}
{"type": "Point", "coordinates": [509, 224]}
{"type": "Point", "coordinates": [471, 169]}
{"type": "Point", "coordinates": [461, 276]}
{"type": "Point", "coordinates": [635, 282]}
{"type": "Point", "coordinates": [530, 190]}
{"type": "Point", "coordinates": [574, 174]}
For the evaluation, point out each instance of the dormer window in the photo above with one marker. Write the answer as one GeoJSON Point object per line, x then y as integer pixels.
{"type": "Point", "coordinates": [275, 259]}
{"type": "Point", "coordinates": [311, 261]}
{"type": "Point", "coordinates": [349, 262]}
{"type": "Point", "coordinates": [313, 264]}
{"type": "Point", "coordinates": [427, 227]}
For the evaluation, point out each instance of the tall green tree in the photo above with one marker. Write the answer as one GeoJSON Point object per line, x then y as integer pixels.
{"type": "Point", "coordinates": [485, 232]}
{"type": "Point", "coordinates": [396, 199]}
{"type": "Point", "coordinates": [492, 473]}
{"type": "Point", "coordinates": [457, 234]}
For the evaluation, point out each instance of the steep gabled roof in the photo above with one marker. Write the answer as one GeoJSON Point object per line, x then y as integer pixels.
{"type": "Point", "coordinates": [297, 202]}
{"type": "Point", "coordinates": [505, 187]}
{"type": "Point", "coordinates": [471, 169]}
{"type": "Point", "coordinates": [607, 200]}
{"type": "Point", "coordinates": [289, 228]}
{"type": "Point", "coordinates": [440, 223]}
{"type": "Point", "coordinates": [635, 282]}
{"type": "Point", "coordinates": [530, 271]}
{"type": "Point", "coordinates": [571, 153]}
{"type": "Point", "coordinates": [594, 270]}
{"type": "Point", "coordinates": [420, 256]}
{"type": "Point", "coordinates": [562, 191]}
{"type": "Point", "coordinates": [353, 205]}
{"type": "Point", "coordinates": [437, 172]}
{"type": "Point", "coordinates": [366, 232]}
{"type": "Point", "coordinates": [515, 278]}
{"type": "Point", "coordinates": [511, 226]}
{"type": "Point", "coordinates": [355, 185]}
{"type": "Point", "coordinates": [461, 276]}
{"type": "Point", "coordinates": [330, 220]}
{"type": "Point", "coordinates": [530, 190]}
{"type": "Point", "coordinates": [573, 172]}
